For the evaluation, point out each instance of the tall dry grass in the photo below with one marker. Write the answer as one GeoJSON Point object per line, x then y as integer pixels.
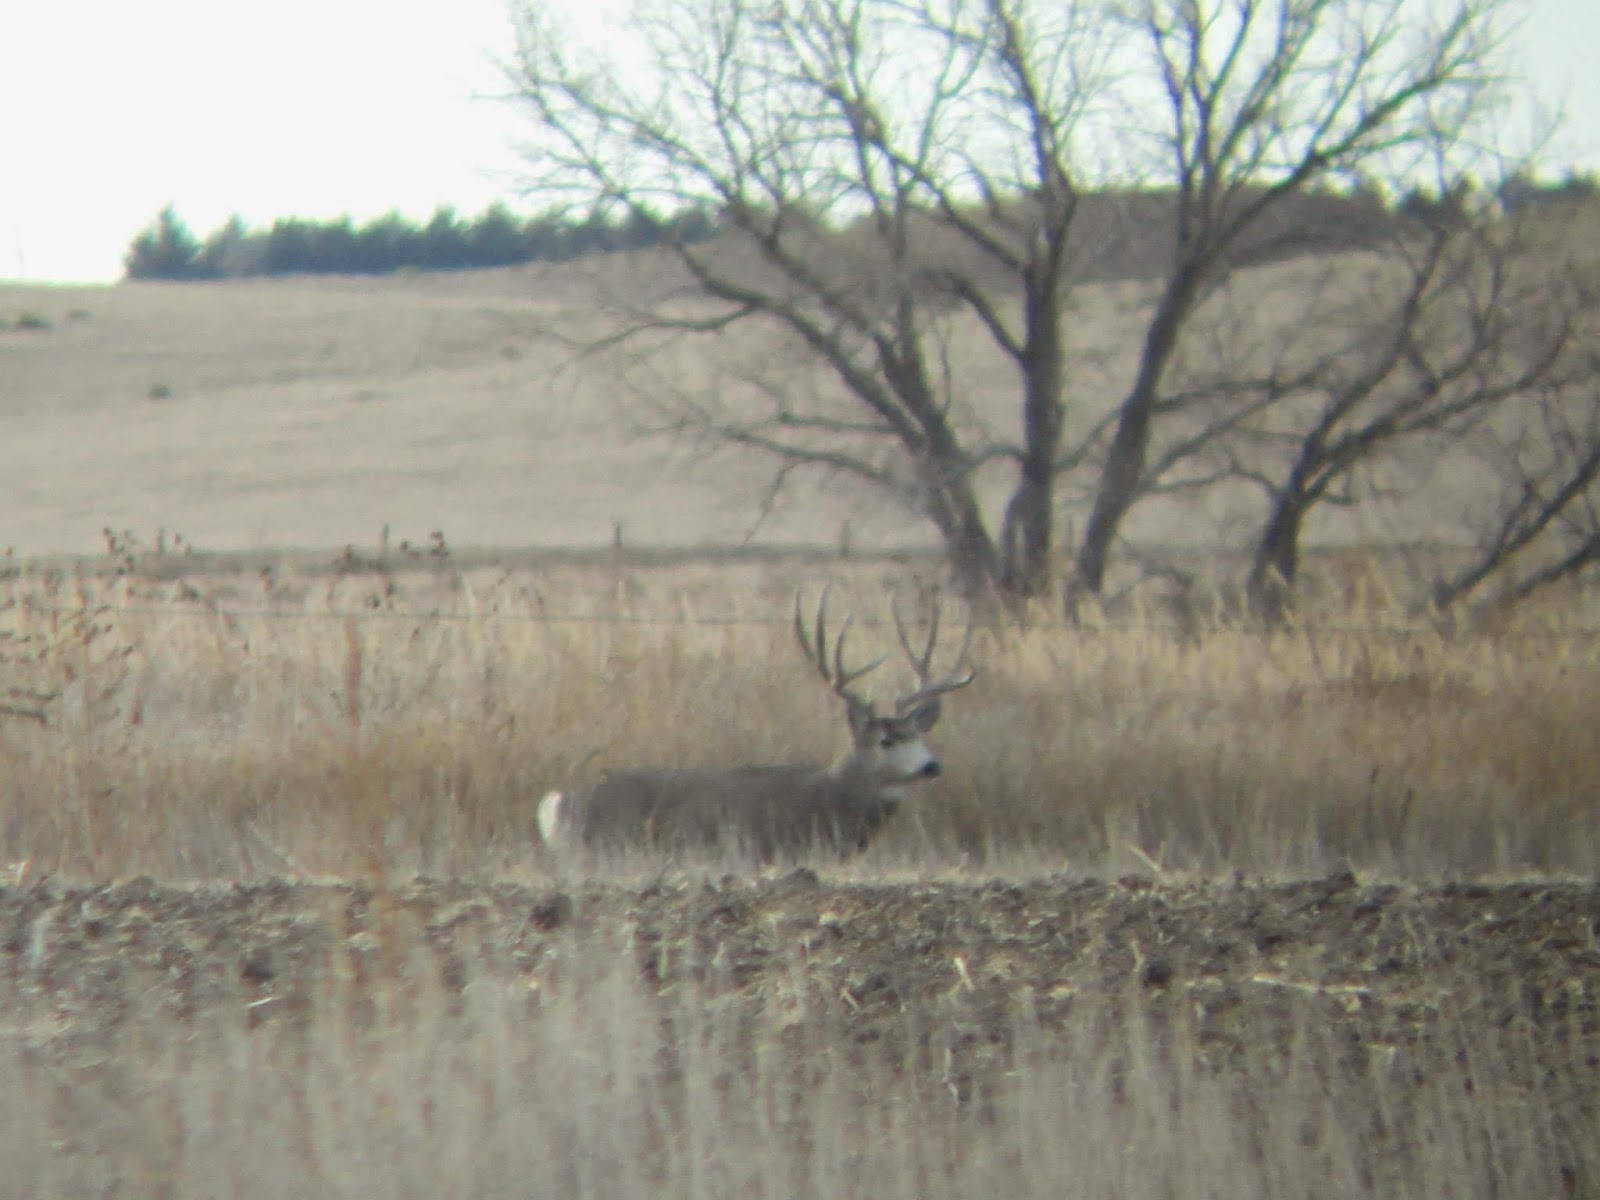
{"type": "Point", "coordinates": [239, 728]}
{"type": "Point", "coordinates": [595, 1088]}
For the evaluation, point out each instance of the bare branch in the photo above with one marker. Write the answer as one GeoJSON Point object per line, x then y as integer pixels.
{"type": "Point", "coordinates": [896, 180]}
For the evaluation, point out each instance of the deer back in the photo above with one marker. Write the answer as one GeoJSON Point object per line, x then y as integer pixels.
{"type": "Point", "coordinates": [769, 812]}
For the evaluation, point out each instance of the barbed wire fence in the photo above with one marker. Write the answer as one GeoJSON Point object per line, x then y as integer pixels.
{"type": "Point", "coordinates": [377, 614]}
{"type": "Point", "coordinates": [166, 561]}
{"type": "Point", "coordinates": [63, 594]}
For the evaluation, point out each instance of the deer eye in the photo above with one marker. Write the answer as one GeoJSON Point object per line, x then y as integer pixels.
{"type": "Point", "coordinates": [887, 741]}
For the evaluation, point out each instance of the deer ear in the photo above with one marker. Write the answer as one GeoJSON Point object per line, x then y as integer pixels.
{"type": "Point", "coordinates": [925, 715]}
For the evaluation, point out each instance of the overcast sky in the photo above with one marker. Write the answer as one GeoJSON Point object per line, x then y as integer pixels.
{"type": "Point", "coordinates": [110, 110]}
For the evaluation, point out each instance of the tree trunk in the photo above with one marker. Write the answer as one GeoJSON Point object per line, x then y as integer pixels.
{"type": "Point", "coordinates": [953, 507]}
{"type": "Point", "coordinates": [1124, 468]}
{"type": "Point", "coordinates": [976, 565]}
{"type": "Point", "coordinates": [1028, 532]}
{"type": "Point", "coordinates": [1276, 564]}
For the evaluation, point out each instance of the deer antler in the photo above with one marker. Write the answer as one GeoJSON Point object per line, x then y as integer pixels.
{"type": "Point", "coordinates": [922, 663]}
{"type": "Point", "coordinates": [836, 676]}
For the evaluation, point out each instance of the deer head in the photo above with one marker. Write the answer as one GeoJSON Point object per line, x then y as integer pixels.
{"type": "Point", "coordinates": [888, 748]}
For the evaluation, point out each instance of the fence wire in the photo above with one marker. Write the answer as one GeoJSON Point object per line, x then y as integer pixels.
{"type": "Point", "coordinates": [1086, 629]}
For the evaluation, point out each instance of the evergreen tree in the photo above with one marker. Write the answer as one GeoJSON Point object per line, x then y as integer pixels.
{"type": "Point", "coordinates": [496, 240]}
{"type": "Point", "coordinates": [232, 250]}
{"type": "Point", "coordinates": [165, 249]}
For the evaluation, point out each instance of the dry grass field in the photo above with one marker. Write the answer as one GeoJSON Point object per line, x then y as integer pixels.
{"type": "Point", "coordinates": [273, 414]}
{"type": "Point", "coordinates": [795, 1038]}
{"type": "Point", "coordinates": [239, 726]}
{"type": "Point", "coordinates": [337, 964]}
{"type": "Point", "coordinates": [264, 415]}
{"type": "Point", "coordinates": [1194, 910]}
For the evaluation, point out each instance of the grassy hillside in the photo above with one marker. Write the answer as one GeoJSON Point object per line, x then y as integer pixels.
{"type": "Point", "coordinates": [265, 414]}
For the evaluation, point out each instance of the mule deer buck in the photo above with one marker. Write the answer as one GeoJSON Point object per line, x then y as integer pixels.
{"type": "Point", "coordinates": [776, 811]}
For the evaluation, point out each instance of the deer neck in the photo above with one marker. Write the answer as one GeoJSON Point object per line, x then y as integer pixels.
{"type": "Point", "coordinates": [853, 779]}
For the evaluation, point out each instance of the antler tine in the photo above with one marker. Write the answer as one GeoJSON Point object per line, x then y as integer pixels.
{"type": "Point", "coordinates": [923, 663]}
{"type": "Point", "coordinates": [821, 633]}
{"type": "Point", "coordinates": [813, 656]}
{"type": "Point", "coordinates": [840, 674]}
{"type": "Point", "coordinates": [920, 663]}
{"type": "Point", "coordinates": [839, 678]}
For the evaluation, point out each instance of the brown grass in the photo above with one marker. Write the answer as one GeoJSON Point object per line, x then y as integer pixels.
{"type": "Point", "coordinates": [225, 729]}
{"type": "Point", "coordinates": [312, 413]}
{"type": "Point", "coordinates": [215, 729]}
{"type": "Point", "coordinates": [251, 716]}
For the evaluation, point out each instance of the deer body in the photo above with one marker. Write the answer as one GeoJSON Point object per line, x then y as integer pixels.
{"type": "Point", "coordinates": [769, 812]}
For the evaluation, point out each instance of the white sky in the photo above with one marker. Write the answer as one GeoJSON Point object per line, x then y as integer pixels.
{"type": "Point", "coordinates": [109, 110]}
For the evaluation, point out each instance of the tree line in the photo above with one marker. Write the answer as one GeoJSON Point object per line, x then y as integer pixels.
{"type": "Point", "coordinates": [168, 249]}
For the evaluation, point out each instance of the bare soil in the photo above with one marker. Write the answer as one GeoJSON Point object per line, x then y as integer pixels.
{"type": "Point", "coordinates": [1411, 973]}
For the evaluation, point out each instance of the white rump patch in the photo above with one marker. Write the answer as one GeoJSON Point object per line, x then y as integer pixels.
{"type": "Point", "coordinates": [549, 818]}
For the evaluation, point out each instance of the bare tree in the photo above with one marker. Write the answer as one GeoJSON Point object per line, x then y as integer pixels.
{"type": "Point", "coordinates": [1438, 341]}
{"type": "Point", "coordinates": [1264, 100]}
{"type": "Point", "coordinates": [952, 142]}
{"type": "Point", "coordinates": [1542, 523]}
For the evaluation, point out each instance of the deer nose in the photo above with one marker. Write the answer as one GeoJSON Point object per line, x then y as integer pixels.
{"type": "Point", "coordinates": [931, 770]}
